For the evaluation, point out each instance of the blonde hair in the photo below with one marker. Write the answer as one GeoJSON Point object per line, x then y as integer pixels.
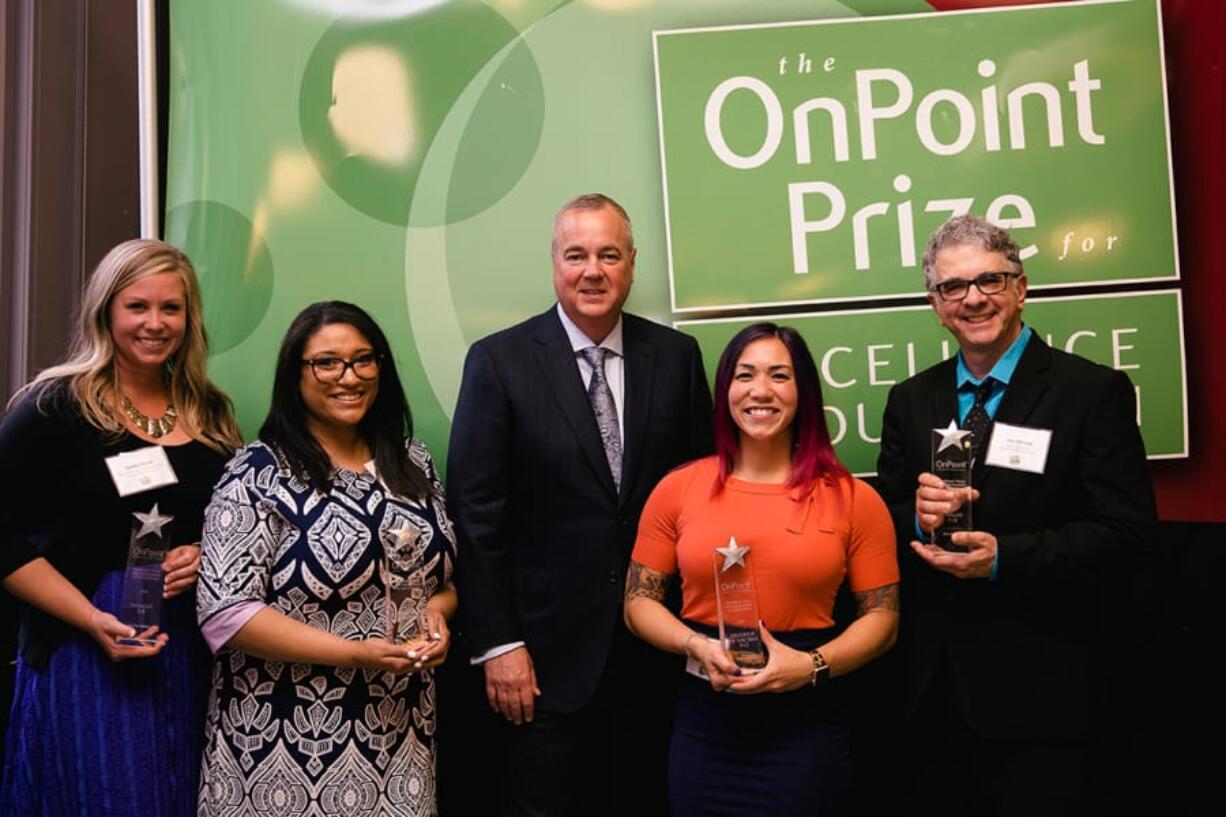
{"type": "Point", "coordinates": [89, 371]}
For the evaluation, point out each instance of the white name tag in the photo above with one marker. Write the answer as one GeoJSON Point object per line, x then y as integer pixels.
{"type": "Point", "coordinates": [141, 470]}
{"type": "Point", "coordinates": [1019, 448]}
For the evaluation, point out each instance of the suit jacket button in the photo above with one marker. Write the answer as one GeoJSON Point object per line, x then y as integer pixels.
{"type": "Point", "coordinates": [612, 577]}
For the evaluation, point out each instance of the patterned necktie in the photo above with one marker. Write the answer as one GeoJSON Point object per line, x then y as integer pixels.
{"type": "Point", "coordinates": [601, 398]}
{"type": "Point", "coordinates": [977, 419]}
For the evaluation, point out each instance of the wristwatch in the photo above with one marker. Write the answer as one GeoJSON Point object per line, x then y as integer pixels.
{"type": "Point", "coordinates": [821, 670]}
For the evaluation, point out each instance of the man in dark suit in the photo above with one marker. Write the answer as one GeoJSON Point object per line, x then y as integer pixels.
{"type": "Point", "coordinates": [563, 426]}
{"type": "Point", "coordinates": [1005, 645]}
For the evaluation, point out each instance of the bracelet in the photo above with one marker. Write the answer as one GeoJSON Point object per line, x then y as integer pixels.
{"type": "Point", "coordinates": [821, 670]}
{"type": "Point", "coordinates": [685, 645]}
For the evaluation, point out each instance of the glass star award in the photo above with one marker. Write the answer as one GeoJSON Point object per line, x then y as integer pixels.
{"type": "Point", "coordinates": [737, 605]}
{"type": "Point", "coordinates": [141, 604]}
{"type": "Point", "coordinates": [952, 458]}
{"type": "Point", "coordinates": [404, 589]}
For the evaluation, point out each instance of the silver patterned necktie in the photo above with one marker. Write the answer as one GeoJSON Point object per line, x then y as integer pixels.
{"type": "Point", "coordinates": [601, 398]}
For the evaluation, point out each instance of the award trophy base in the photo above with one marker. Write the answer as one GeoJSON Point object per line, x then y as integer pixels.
{"type": "Point", "coordinates": [141, 607]}
{"type": "Point", "coordinates": [744, 646]}
{"type": "Point", "coordinates": [404, 606]}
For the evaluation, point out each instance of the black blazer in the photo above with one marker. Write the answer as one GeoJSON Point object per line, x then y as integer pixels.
{"type": "Point", "coordinates": [544, 538]}
{"type": "Point", "coordinates": [1027, 652]}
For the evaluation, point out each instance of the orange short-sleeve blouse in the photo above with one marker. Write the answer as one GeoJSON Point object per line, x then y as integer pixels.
{"type": "Point", "coordinates": [801, 549]}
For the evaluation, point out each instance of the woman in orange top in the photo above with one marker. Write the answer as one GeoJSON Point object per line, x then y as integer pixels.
{"type": "Point", "coordinates": [802, 524]}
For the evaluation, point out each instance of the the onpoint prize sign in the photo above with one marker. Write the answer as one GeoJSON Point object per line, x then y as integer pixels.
{"type": "Point", "coordinates": [807, 163]}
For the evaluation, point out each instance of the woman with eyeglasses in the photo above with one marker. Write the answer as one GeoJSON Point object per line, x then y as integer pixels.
{"type": "Point", "coordinates": [774, 522]}
{"type": "Point", "coordinates": [323, 698]}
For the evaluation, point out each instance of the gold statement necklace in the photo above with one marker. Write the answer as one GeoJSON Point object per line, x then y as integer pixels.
{"type": "Point", "coordinates": [155, 427]}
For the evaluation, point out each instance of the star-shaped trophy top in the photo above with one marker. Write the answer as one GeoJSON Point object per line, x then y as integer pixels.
{"type": "Point", "coordinates": [733, 554]}
{"type": "Point", "coordinates": [151, 522]}
{"type": "Point", "coordinates": [951, 436]}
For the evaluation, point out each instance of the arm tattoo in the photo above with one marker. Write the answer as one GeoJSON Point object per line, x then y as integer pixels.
{"type": "Point", "coordinates": [879, 598]}
{"type": "Point", "coordinates": [642, 581]}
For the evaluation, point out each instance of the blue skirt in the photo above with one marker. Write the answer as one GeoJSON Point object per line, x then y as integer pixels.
{"type": "Point", "coordinates": [88, 737]}
{"type": "Point", "coordinates": [768, 754]}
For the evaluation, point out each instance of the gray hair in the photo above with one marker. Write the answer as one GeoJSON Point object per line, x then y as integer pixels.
{"type": "Point", "coordinates": [595, 201]}
{"type": "Point", "coordinates": [970, 229]}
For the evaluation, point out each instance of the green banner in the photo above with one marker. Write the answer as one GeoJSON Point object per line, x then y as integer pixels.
{"type": "Point", "coordinates": [808, 162]}
{"type": "Point", "coordinates": [410, 156]}
{"type": "Point", "coordinates": [861, 354]}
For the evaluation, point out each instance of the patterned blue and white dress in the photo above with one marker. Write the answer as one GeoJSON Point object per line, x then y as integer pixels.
{"type": "Point", "coordinates": [307, 739]}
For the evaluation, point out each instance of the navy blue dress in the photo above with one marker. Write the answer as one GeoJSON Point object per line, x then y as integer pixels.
{"type": "Point", "coordinates": [86, 736]}
{"type": "Point", "coordinates": [309, 738]}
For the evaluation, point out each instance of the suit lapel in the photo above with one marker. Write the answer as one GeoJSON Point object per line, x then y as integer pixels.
{"type": "Point", "coordinates": [558, 367]}
{"type": "Point", "coordinates": [639, 374]}
{"type": "Point", "coordinates": [1027, 385]}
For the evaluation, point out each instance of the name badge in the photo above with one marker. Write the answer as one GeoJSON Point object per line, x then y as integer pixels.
{"type": "Point", "coordinates": [1019, 448]}
{"type": "Point", "coordinates": [141, 470]}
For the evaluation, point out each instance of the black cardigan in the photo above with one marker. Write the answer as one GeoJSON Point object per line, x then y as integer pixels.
{"type": "Point", "coordinates": [57, 500]}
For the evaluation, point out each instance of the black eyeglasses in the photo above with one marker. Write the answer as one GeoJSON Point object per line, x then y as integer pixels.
{"type": "Point", "coordinates": [332, 369]}
{"type": "Point", "coordinates": [989, 283]}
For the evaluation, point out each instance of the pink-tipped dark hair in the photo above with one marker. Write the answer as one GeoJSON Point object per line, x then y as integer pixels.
{"type": "Point", "coordinates": [813, 455]}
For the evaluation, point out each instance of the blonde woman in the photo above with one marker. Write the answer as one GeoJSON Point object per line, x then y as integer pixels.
{"type": "Point", "coordinates": [103, 724]}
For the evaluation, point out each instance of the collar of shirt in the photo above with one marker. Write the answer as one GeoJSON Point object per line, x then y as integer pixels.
{"type": "Point", "coordinates": [578, 340]}
{"type": "Point", "coordinates": [1001, 374]}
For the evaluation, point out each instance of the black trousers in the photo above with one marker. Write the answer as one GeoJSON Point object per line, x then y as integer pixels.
{"type": "Point", "coordinates": [609, 758]}
{"type": "Point", "coordinates": [951, 770]}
